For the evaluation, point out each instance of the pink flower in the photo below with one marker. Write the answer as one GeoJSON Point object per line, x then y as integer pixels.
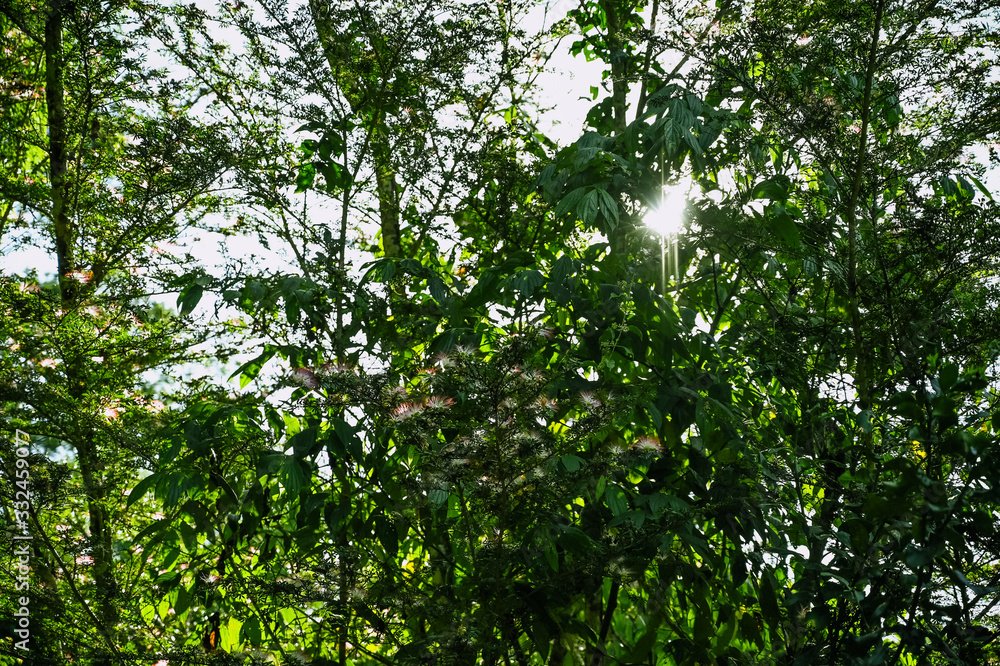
{"type": "Point", "coordinates": [547, 403]}
{"type": "Point", "coordinates": [49, 363]}
{"type": "Point", "coordinates": [85, 559]}
{"type": "Point", "coordinates": [444, 361]}
{"type": "Point", "coordinates": [439, 402]}
{"type": "Point", "coordinates": [589, 400]}
{"type": "Point", "coordinates": [305, 377]}
{"type": "Point", "coordinates": [648, 444]}
{"type": "Point", "coordinates": [405, 411]}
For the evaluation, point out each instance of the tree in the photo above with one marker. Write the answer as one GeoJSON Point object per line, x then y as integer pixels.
{"type": "Point", "coordinates": [95, 175]}
{"type": "Point", "coordinates": [840, 184]}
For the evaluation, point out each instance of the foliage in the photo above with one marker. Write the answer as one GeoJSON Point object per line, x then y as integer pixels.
{"type": "Point", "coordinates": [503, 438]}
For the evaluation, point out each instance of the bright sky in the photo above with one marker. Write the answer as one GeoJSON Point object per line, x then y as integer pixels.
{"type": "Point", "coordinates": [568, 80]}
{"type": "Point", "coordinates": [565, 88]}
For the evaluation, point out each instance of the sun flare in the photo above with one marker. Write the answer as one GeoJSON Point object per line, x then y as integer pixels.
{"type": "Point", "coordinates": [668, 217]}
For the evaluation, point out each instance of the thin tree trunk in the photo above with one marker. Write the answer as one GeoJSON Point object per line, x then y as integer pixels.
{"type": "Point", "coordinates": [338, 54]}
{"type": "Point", "coordinates": [619, 73]}
{"type": "Point", "coordinates": [87, 451]}
{"type": "Point", "coordinates": [56, 117]}
{"type": "Point", "coordinates": [861, 354]}
{"type": "Point", "coordinates": [388, 191]}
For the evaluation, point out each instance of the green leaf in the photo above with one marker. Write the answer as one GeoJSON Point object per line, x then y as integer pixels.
{"type": "Point", "coordinates": [552, 557]}
{"type": "Point", "coordinates": [919, 557]}
{"type": "Point", "coordinates": [575, 540]}
{"type": "Point", "coordinates": [304, 443]}
{"type": "Point", "coordinates": [616, 500]}
{"type": "Point", "coordinates": [304, 179]}
{"type": "Point", "coordinates": [776, 189]}
{"type": "Point", "coordinates": [609, 208]}
{"type": "Point", "coordinates": [569, 202]}
{"type": "Point", "coordinates": [769, 600]}
{"type": "Point", "coordinates": [251, 631]}
{"type": "Point", "coordinates": [177, 484]}
{"type": "Point", "coordinates": [570, 462]}
{"type": "Point", "coordinates": [293, 475]}
{"type": "Point", "coordinates": [561, 268]}
{"type": "Point", "coordinates": [189, 297]}
{"type": "Point", "coordinates": [348, 438]}
{"type": "Point", "coordinates": [643, 648]}
{"type": "Point", "coordinates": [183, 601]}
{"type": "Point", "coordinates": [385, 531]}
{"type": "Point", "coordinates": [949, 376]}
{"type": "Point", "coordinates": [528, 281]}
{"type": "Point", "coordinates": [588, 207]}
{"type": "Point", "coordinates": [141, 488]}
{"type": "Point", "coordinates": [188, 535]}
{"type": "Point", "coordinates": [982, 188]}
{"type": "Point", "coordinates": [251, 369]}
{"type": "Point", "coordinates": [786, 229]}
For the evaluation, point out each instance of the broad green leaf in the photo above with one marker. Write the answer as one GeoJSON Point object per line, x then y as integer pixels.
{"type": "Point", "coordinates": [786, 229]}
{"type": "Point", "coordinates": [768, 598]}
{"type": "Point", "coordinates": [189, 297]}
{"type": "Point", "coordinates": [587, 209]}
{"type": "Point", "coordinates": [385, 532]}
{"type": "Point", "coordinates": [616, 499]}
{"type": "Point", "coordinates": [141, 488]}
{"type": "Point", "coordinates": [569, 202]}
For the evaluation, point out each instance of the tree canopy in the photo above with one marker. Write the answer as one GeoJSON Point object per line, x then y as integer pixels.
{"type": "Point", "coordinates": [441, 396]}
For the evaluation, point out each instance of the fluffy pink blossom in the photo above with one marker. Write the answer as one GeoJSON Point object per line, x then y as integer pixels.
{"type": "Point", "coordinates": [405, 411]}
{"type": "Point", "coordinates": [547, 403]}
{"type": "Point", "coordinates": [439, 402]}
{"type": "Point", "coordinates": [648, 444]}
{"type": "Point", "coordinates": [444, 361]}
{"type": "Point", "coordinates": [305, 377]}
